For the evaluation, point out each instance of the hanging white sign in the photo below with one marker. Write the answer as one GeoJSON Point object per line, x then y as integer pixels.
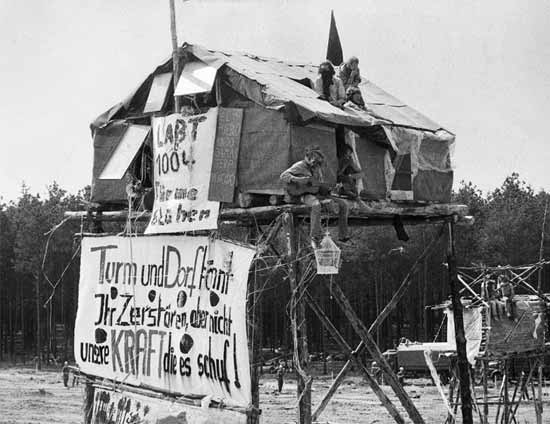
{"type": "Point", "coordinates": [183, 147]}
{"type": "Point", "coordinates": [167, 312]}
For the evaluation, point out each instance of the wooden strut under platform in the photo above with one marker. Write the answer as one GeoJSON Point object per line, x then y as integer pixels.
{"type": "Point", "coordinates": [300, 296]}
{"type": "Point", "coordinates": [284, 218]}
{"type": "Point", "coordinates": [511, 393]}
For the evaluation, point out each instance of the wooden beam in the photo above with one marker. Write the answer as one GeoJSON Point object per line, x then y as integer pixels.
{"type": "Point", "coordinates": [462, 358]}
{"type": "Point", "coordinates": [375, 353]}
{"type": "Point", "coordinates": [366, 213]}
{"type": "Point", "coordinates": [175, 53]}
{"type": "Point", "coordinates": [379, 320]}
{"type": "Point", "coordinates": [298, 324]}
{"type": "Point", "coordinates": [386, 402]}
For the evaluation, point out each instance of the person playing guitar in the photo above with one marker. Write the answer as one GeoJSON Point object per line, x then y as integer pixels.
{"type": "Point", "coordinates": [304, 183]}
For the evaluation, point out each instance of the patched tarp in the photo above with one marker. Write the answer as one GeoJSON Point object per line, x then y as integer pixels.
{"type": "Point", "coordinates": [106, 140]}
{"type": "Point", "coordinates": [322, 137]}
{"type": "Point", "coordinates": [430, 161]}
{"type": "Point", "coordinates": [280, 119]}
{"type": "Point", "coordinates": [279, 84]}
{"type": "Point", "coordinates": [372, 158]}
{"type": "Point", "coordinates": [264, 151]}
{"type": "Point", "coordinates": [269, 145]}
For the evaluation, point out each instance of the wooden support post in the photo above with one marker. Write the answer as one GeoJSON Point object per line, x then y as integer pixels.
{"type": "Point", "coordinates": [541, 252]}
{"type": "Point", "coordinates": [462, 358]}
{"type": "Point", "coordinates": [386, 402]}
{"type": "Point", "coordinates": [405, 284]}
{"type": "Point", "coordinates": [299, 325]}
{"type": "Point", "coordinates": [375, 353]}
{"type": "Point", "coordinates": [538, 401]}
{"type": "Point", "coordinates": [506, 409]}
{"type": "Point", "coordinates": [451, 416]}
{"type": "Point", "coordinates": [175, 53]}
{"type": "Point", "coordinates": [89, 394]}
{"type": "Point", "coordinates": [485, 392]}
{"type": "Point", "coordinates": [254, 321]}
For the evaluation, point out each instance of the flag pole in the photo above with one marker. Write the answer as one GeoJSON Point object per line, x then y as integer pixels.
{"type": "Point", "coordinates": [175, 53]}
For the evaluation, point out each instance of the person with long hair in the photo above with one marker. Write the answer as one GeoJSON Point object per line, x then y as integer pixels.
{"type": "Point", "coordinates": [329, 87]}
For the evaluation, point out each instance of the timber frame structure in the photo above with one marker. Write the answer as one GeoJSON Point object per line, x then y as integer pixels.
{"type": "Point", "coordinates": [503, 353]}
{"type": "Point", "coordinates": [266, 223]}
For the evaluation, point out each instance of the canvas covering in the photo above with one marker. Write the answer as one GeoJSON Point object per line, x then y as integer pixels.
{"type": "Point", "coordinates": [281, 113]}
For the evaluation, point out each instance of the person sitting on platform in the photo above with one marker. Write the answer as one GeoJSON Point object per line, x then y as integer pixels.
{"type": "Point", "coordinates": [349, 73]}
{"type": "Point", "coordinates": [304, 183]}
{"type": "Point", "coordinates": [348, 174]}
{"type": "Point", "coordinates": [506, 289]}
{"type": "Point", "coordinates": [328, 86]}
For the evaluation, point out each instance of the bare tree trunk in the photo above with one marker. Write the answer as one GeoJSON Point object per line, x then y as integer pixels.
{"type": "Point", "coordinates": [38, 326]}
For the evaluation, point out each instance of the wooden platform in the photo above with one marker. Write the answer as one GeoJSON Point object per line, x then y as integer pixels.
{"type": "Point", "coordinates": [361, 213]}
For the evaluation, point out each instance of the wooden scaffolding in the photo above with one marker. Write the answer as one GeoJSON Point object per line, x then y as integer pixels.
{"type": "Point", "coordinates": [267, 223]}
{"type": "Point", "coordinates": [512, 343]}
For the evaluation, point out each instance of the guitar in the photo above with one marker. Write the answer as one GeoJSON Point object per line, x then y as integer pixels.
{"type": "Point", "coordinates": [308, 185]}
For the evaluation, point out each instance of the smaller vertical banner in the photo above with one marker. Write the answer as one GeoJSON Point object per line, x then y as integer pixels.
{"type": "Point", "coordinates": [183, 147]}
{"type": "Point", "coordinates": [226, 155]}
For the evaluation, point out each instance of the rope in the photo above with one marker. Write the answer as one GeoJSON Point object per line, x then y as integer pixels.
{"type": "Point", "coordinates": [54, 286]}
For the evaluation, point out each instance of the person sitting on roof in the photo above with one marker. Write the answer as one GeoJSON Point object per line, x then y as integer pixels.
{"type": "Point", "coordinates": [349, 73]}
{"type": "Point", "coordinates": [328, 86]}
{"type": "Point", "coordinates": [354, 99]}
{"type": "Point", "coordinates": [304, 183]}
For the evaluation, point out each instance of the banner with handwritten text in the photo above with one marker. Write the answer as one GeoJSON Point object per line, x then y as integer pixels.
{"type": "Point", "coordinates": [165, 312]}
{"type": "Point", "coordinates": [183, 147]}
{"type": "Point", "coordinates": [120, 408]}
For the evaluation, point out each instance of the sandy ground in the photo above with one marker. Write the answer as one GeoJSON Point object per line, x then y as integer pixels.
{"type": "Point", "coordinates": [27, 396]}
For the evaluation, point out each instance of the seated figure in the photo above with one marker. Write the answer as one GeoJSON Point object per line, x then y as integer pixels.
{"type": "Point", "coordinates": [304, 183]}
{"type": "Point", "coordinates": [349, 73]}
{"type": "Point", "coordinates": [328, 86]}
{"type": "Point", "coordinates": [348, 174]}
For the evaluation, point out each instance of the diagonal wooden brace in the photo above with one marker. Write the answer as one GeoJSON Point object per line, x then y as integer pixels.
{"type": "Point", "coordinates": [386, 402]}
{"type": "Point", "coordinates": [378, 321]}
{"type": "Point", "coordinates": [375, 353]}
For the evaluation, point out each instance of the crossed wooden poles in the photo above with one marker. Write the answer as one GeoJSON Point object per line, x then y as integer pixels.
{"type": "Point", "coordinates": [300, 296]}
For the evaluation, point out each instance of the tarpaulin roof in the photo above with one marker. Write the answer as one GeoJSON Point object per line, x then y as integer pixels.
{"type": "Point", "coordinates": [284, 85]}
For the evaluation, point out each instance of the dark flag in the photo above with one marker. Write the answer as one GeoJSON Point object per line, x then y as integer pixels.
{"type": "Point", "coordinates": [334, 48]}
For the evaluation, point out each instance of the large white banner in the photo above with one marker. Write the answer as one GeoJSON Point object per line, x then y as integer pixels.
{"type": "Point", "coordinates": [167, 312]}
{"type": "Point", "coordinates": [120, 408]}
{"type": "Point", "coordinates": [183, 147]}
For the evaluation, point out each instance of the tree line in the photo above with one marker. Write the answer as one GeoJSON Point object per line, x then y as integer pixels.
{"type": "Point", "coordinates": [39, 269]}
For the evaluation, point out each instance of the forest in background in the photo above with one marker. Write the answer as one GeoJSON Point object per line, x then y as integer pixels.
{"type": "Point", "coordinates": [507, 230]}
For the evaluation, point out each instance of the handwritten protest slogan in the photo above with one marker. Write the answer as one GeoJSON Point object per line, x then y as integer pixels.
{"type": "Point", "coordinates": [168, 312]}
{"type": "Point", "coordinates": [183, 147]}
{"type": "Point", "coordinates": [120, 408]}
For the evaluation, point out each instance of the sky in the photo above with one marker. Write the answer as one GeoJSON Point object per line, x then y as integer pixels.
{"type": "Point", "coordinates": [479, 68]}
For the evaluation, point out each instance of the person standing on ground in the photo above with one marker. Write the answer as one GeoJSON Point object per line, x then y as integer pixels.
{"type": "Point", "coordinates": [401, 376]}
{"type": "Point", "coordinates": [375, 371]}
{"type": "Point", "coordinates": [280, 376]}
{"type": "Point", "coordinates": [65, 372]}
